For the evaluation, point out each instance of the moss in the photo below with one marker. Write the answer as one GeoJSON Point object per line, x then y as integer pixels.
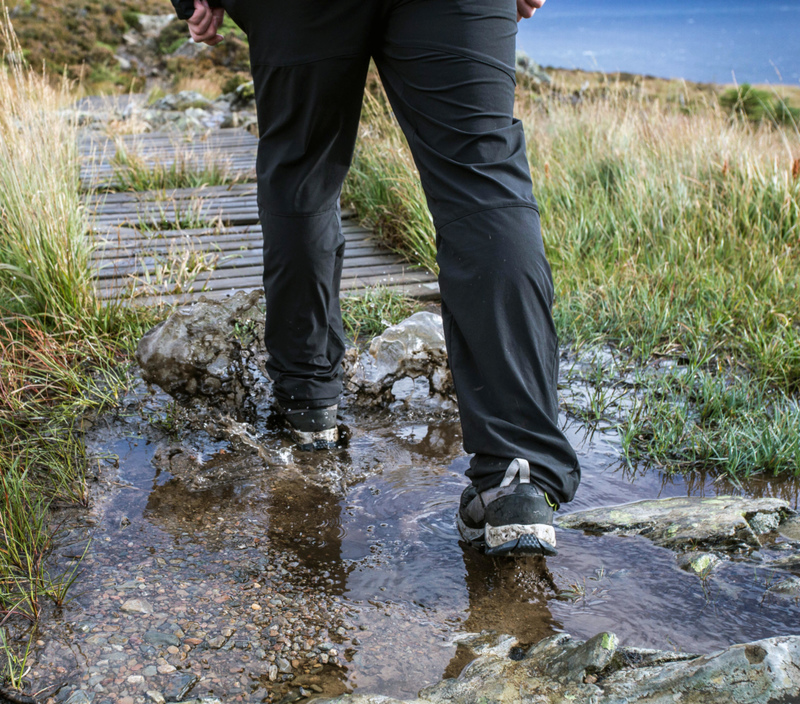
{"type": "Point", "coordinates": [609, 641]}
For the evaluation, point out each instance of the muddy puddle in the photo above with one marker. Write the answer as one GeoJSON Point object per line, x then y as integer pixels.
{"type": "Point", "coordinates": [210, 574]}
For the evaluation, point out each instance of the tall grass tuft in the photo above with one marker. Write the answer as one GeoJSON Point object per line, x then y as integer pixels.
{"type": "Point", "coordinates": [134, 173]}
{"type": "Point", "coordinates": [59, 346]}
{"type": "Point", "coordinates": [44, 251]}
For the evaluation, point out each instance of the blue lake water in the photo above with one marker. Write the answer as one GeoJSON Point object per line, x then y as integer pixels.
{"type": "Point", "coordinates": [757, 41]}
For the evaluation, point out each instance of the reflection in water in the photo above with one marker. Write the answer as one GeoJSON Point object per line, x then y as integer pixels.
{"type": "Point", "coordinates": [358, 550]}
{"type": "Point", "coordinates": [305, 519]}
{"type": "Point", "coordinates": [509, 596]}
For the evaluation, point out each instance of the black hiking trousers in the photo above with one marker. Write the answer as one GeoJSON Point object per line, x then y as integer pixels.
{"type": "Point", "coordinates": [448, 69]}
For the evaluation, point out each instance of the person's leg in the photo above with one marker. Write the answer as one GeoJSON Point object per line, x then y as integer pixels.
{"type": "Point", "coordinates": [309, 61]}
{"type": "Point", "coordinates": [448, 67]}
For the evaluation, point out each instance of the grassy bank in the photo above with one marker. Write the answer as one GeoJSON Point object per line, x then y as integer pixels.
{"type": "Point", "coordinates": [59, 347]}
{"type": "Point", "coordinates": [671, 234]}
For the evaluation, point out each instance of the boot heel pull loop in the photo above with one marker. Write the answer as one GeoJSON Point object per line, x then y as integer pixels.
{"type": "Point", "coordinates": [520, 466]}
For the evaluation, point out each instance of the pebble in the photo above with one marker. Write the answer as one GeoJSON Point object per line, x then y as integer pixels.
{"type": "Point", "coordinates": [159, 638]}
{"type": "Point", "coordinates": [80, 697]}
{"type": "Point", "coordinates": [137, 606]}
{"type": "Point", "coordinates": [166, 669]}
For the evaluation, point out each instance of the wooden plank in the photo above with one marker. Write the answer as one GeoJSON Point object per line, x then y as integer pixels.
{"type": "Point", "coordinates": [236, 190]}
{"type": "Point", "coordinates": [252, 282]}
{"type": "Point", "coordinates": [109, 237]}
{"type": "Point", "coordinates": [217, 277]}
{"type": "Point", "coordinates": [428, 291]}
{"type": "Point", "coordinates": [121, 268]}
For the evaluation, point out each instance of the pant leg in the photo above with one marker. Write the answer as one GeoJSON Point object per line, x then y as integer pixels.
{"type": "Point", "coordinates": [309, 61]}
{"type": "Point", "coordinates": [448, 67]}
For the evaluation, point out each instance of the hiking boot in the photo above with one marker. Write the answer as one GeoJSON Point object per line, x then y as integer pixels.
{"type": "Point", "coordinates": [313, 428]}
{"type": "Point", "coordinates": [515, 518]}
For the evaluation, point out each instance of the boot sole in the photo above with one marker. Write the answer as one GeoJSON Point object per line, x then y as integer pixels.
{"type": "Point", "coordinates": [316, 440]}
{"type": "Point", "coordinates": [515, 540]}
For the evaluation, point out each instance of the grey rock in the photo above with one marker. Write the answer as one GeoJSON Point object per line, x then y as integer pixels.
{"type": "Point", "coordinates": [161, 639]}
{"type": "Point", "coordinates": [190, 49]}
{"type": "Point", "coordinates": [560, 669]}
{"type": "Point", "coordinates": [699, 563]}
{"type": "Point", "coordinates": [182, 100]}
{"type": "Point", "coordinates": [80, 696]}
{"type": "Point", "coordinates": [723, 523]}
{"type": "Point", "coordinates": [243, 96]}
{"type": "Point", "coordinates": [124, 63]}
{"type": "Point", "coordinates": [177, 685]}
{"type": "Point", "coordinates": [789, 587]}
{"type": "Point", "coordinates": [528, 67]}
{"type": "Point", "coordinates": [156, 696]}
{"type": "Point", "coordinates": [137, 606]}
{"type": "Point", "coordinates": [151, 25]}
{"type": "Point", "coordinates": [216, 642]}
{"type": "Point", "coordinates": [195, 352]}
{"type": "Point", "coordinates": [284, 665]}
{"type": "Point", "coordinates": [790, 529]}
{"type": "Point", "coordinates": [411, 350]}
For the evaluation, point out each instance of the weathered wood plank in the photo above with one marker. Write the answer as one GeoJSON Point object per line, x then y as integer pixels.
{"type": "Point", "coordinates": [252, 282]}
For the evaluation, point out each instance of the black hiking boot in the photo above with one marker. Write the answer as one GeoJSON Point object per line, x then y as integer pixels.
{"type": "Point", "coordinates": [313, 428]}
{"type": "Point", "coordinates": [513, 519]}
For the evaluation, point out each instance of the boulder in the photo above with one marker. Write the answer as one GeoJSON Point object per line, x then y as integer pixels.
{"type": "Point", "coordinates": [725, 523]}
{"type": "Point", "coordinates": [151, 25]}
{"type": "Point", "coordinates": [406, 354]}
{"type": "Point", "coordinates": [529, 68]}
{"type": "Point", "coordinates": [561, 669]}
{"type": "Point", "coordinates": [182, 100]}
{"type": "Point", "coordinates": [203, 350]}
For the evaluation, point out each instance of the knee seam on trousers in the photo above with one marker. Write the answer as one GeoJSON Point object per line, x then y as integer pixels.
{"type": "Point", "coordinates": [486, 210]}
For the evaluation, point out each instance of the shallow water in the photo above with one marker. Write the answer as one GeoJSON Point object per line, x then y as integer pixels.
{"type": "Point", "coordinates": [355, 557]}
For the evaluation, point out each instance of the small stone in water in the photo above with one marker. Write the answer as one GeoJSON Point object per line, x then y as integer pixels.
{"type": "Point", "coordinates": [137, 606]}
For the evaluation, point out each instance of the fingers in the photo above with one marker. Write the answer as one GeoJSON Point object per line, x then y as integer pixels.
{"type": "Point", "coordinates": [205, 22]}
{"type": "Point", "coordinates": [526, 8]}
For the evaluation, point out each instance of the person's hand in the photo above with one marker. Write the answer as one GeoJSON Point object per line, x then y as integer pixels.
{"type": "Point", "coordinates": [205, 22]}
{"type": "Point", "coordinates": [525, 8]}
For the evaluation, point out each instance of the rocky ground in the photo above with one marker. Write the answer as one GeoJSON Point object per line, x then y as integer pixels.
{"type": "Point", "coordinates": [217, 568]}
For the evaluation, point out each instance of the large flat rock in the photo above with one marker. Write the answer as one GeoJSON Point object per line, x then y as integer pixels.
{"type": "Point", "coordinates": [725, 523]}
{"type": "Point", "coordinates": [561, 669]}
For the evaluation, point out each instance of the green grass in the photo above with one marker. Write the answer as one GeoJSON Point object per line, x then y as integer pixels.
{"type": "Point", "coordinates": [60, 348]}
{"type": "Point", "coordinates": [716, 422]}
{"type": "Point", "coordinates": [133, 173]}
{"type": "Point", "coordinates": [368, 313]}
{"type": "Point", "coordinates": [670, 235]}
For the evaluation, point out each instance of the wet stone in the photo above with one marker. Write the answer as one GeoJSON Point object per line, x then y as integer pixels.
{"type": "Point", "coordinates": [161, 639]}
{"type": "Point", "coordinates": [137, 606]}
{"type": "Point", "coordinates": [728, 524]}
{"type": "Point", "coordinates": [176, 686]}
{"type": "Point", "coordinates": [789, 587]}
{"type": "Point", "coordinates": [80, 697]}
{"type": "Point", "coordinates": [699, 563]}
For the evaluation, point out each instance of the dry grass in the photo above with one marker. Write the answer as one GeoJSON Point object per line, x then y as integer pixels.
{"type": "Point", "coordinates": [208, 87]}
{"type": "Point", "coordinates": [673, 229]}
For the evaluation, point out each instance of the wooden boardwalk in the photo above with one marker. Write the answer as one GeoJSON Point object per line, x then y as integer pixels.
{"type": "Point", "coordinates": [174, 246]}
